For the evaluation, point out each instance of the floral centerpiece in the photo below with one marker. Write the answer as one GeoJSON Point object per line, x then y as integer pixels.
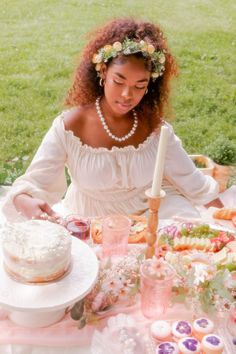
{"type": "Point", "coordinates": [117, 284]}
{"type": "Point", "coordinates": [199, 283]}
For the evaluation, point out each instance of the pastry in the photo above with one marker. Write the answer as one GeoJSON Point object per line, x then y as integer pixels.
{"type": "Point", "coordinates": [160, 330]}
{"type": "Point", "coordinates": [224, 213]}
{"type": "Point", "coordinates": [212, 344]}
{"type": "Point", "coordinates": [202, 326]}
{"type": "Point", "coordinates": [167, 348]}
{"type": "Point", "coordinates": [181, 329]}
{"type": "Point", "coordinates": [189, 345]}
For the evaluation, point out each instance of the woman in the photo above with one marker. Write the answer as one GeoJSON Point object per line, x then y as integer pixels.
{"type": "Point", "coordinates": [109, 138]}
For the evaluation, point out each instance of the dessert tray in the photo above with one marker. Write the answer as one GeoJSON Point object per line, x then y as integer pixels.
{"type": "Point", "coordinates": [43, 304]}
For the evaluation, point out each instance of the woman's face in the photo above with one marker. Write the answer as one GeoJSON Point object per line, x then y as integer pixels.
{"type": "Point", "coordinates": [125, 83]}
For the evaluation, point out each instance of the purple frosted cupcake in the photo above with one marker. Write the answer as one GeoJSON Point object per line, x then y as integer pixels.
{"type": "Point", "coordinates": [189, 345]}
{"type": "Point", "coordinates": [212, 344]}
{"type": "Point", "coordinates": [202, 326]}
{"type": "Point", "coordinates": [167, 348]}
{"type": "Point", "coordinates": [181, 329]}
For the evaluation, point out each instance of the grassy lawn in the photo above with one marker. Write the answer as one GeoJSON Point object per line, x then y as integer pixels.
{"type": "Point", "coordinates": [39, 44]}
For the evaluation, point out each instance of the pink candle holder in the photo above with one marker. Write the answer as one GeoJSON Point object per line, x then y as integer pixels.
{"type": "Point", "coordinates": [78, 226]}
{"type": "Point", "coordinates": [156, 287]}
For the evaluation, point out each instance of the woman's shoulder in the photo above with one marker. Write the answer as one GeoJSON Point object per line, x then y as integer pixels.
{"type": "Point", "coordinates": [75, 118]}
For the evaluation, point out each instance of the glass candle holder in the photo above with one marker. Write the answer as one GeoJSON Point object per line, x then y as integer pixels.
{"type": "Point", "coordinates": [115, 234]}
{"type": "Point", "coordinates": [156, 287]}
{"type": "Point", "coordinates": [78, 226]}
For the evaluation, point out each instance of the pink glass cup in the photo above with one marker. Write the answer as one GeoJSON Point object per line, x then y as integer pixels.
{"type": "Point", "coordinates": [78, 226]}
{"type": "Point", "coordinates": [231, 322]}
{"type": "Point", "coordinates": [115, 234]}
{"type": "Point", "coordinates": [155, 292]}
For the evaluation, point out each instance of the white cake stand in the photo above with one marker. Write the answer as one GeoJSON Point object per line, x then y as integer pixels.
{"type": "Point", "coordinates": [41, 305]}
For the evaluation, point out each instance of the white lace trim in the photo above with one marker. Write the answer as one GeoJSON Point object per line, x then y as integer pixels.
{"type": "Point", "coordinates": [93, 150]}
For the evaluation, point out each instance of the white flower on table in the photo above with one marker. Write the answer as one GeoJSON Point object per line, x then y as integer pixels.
{"type": "Point", "coordinates": [200, 273]}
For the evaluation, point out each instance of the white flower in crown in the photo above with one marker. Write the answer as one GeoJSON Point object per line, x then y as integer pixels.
{"type": "Point", "coordinates": [155, 75]}
{"type": "Point", "coordinates": [97, 58]}
{"type": "Point", "coordinates": [162, 58]}
{"type": "Point", "coordinates": [117, 46]}
{"type": "Point", "coordinates": [107, 48]}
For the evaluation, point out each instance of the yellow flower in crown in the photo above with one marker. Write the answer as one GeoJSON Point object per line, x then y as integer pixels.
{"type": "Point", "coordinates": [150, 49]}
{"type": "Point", "coordinates": [117, 46]}
{"type": "Point", "coordinates": [107, 48]}
{"type": "Point", "coordinates": [98, 66]}
{"type": "Point", "coordinates": [143, 46]}
{"type": "Point", "coordinates": [97, 58]}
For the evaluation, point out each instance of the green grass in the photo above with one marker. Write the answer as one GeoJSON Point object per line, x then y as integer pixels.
{"type": "Point", "coordinates": [39, 43]}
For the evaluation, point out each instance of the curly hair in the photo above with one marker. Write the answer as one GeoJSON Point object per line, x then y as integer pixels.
{"type": "Point", "coordinates": [85, 88]}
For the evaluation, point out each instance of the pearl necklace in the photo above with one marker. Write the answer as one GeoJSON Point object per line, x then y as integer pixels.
{"type": "Point", "coordinates": [105, 126]}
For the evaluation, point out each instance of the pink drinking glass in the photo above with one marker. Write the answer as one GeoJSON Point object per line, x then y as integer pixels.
{"type": "Point", "coordinates": [231, 322]}
{"type": "Point", "coordinates": [115, 234]}
{"type": "Point", "coordinates": [78, 226]}
{"type": "Point", "coordinates": [156, 292]}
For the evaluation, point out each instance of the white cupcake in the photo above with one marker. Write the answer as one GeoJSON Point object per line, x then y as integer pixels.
{"type": "Point", "coordinates": [189, 345]}
{"type": "Point", "coordinates": [167, 348]}
{"type": "Point", "coordinates": [181, 329]}
{"type": "Point", "coordinates": [160, 330]}
{"type": "Point", "coordinates": [202, 326]}
{"type": "Point", "coordinates": [212, 344]}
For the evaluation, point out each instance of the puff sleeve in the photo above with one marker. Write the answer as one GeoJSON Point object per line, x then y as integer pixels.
{"type": "Point", "coordinates": [45, 177]}
{"type": "Point", "coordinates": [181, 172]}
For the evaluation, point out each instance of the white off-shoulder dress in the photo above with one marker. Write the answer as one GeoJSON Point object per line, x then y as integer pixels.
{"type": "Point", "coordinates": [107, 181]}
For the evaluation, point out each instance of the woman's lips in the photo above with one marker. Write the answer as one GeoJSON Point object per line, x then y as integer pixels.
{"type": "Point", "coordinates": [124, 106]}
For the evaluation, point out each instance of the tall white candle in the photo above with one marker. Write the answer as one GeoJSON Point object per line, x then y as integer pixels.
{"type": "Point", "coordinates": [160, 160]}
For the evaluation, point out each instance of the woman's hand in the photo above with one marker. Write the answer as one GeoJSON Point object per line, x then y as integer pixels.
{"type": "Point", "coordinates": [34, 208]}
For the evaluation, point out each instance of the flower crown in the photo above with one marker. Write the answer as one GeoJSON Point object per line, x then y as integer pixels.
{"type": "Point", "coordinates": [129, 47]}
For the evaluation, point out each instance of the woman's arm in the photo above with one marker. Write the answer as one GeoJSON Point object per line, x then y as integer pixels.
{"type": "Point", "coordinates": [44, 182]}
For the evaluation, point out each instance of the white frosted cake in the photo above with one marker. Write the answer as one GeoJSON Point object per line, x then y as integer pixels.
{"type": "Point", "coordinates": [36, 250]}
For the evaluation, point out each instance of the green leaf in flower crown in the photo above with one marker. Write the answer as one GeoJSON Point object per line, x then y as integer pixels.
{"type": "Point", "coordinates": [77, 310]}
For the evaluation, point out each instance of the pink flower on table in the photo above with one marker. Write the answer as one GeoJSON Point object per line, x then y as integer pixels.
{"type": "Point", "coordinates": [98, 302]}
{"type": "Point", "coordinates": [112, 285]}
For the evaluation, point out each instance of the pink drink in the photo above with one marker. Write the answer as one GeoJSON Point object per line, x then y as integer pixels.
{"type": "Point", "coordinates": [78, 227]}
{"type": "Point", "coordinates": [155, 292]}
{"type": "Point", "coordinates": [115, 234]}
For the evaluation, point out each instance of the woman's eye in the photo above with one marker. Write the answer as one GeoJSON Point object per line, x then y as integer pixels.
{"type": "Point", "coordinates": [118, 82]}
{"type": "Point", "coordinates": [141, 87]}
